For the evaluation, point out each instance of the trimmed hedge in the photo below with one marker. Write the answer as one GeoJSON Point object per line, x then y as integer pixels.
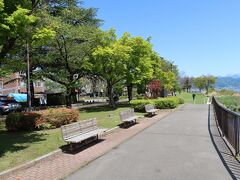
{"type": "Point", "coordinates": [22, 121]}
{"type": "Point", "coordinates": [139, 104]}
{"type": "Point", "coordinates": [160, 103]}
{"type": "Point", "coordinates": [60, 116]}
{"type": "Point", "coordinates": [46, 119]}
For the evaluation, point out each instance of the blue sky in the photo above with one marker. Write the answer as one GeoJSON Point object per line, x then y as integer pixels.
{"type": "Point", "coordinates": [201, 37]}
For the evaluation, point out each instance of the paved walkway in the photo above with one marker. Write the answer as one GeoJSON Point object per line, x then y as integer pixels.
{"type": "Point", "coordinates": [177, 147]}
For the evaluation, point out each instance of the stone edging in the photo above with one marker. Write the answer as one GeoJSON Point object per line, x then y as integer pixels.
{"type": "Point", "coordinates": [30, 163]}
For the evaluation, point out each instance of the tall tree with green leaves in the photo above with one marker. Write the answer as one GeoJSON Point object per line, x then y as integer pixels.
{"type": "Point", "coordinates": [209, 82]}
{"type": "Point", "coordinates": [199, 82]}
{"type": "Point", "coordinates": [187, 83]}
{"type": "Point", "coordinates": [165, 71]}
{"type": "Point", "coordinates": [67, 58]}
{"type": "Point", "coordinates": [110, 62]}
{"type": "Point", "coordinates": [16, 18]}
{"type": "Point", "coordinates": [20, 32]}
{"type": "Point", "coordinates": [139, 65]}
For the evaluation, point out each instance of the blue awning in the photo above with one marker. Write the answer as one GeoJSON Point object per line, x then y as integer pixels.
{"type": "Point", "coordinates": [18, 97]}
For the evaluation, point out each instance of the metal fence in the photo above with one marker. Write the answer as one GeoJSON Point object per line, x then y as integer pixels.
{"type": "Point", "coordinates": [228, 121]}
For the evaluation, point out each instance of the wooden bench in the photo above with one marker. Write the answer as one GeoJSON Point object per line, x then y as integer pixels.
{"type": "Point", "coordinates": [128, 116]}
{"type": "Point", "coordinates": [77, 132]}
{"type": "Point", "coordinates": [150, 109]}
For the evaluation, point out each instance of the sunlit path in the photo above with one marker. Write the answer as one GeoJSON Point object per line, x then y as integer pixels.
{"type": "Point", "coordinates": [177, 147]}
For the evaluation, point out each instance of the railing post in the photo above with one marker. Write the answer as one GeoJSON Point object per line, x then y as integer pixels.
{"type": "Point", "coordinates": [236, 135]}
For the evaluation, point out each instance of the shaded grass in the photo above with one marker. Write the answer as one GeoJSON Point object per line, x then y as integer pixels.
{"type": "Point", "coordinates": [19, 147]}
{"type": "Point", "coordinates": [199, 99]}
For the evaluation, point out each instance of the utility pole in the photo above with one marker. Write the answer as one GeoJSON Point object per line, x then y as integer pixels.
{"type": "Point", "coordinates": [28, 78]}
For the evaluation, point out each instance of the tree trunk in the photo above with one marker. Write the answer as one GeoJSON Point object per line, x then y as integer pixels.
{"type": "Point", "coordinates": [68, 98]}
{"type": "Point", "coordinates": [129, 90]}
{"type": "Point", "coordinates": [73, 96]}
{"type": "Point", "coordinates": [110, 95]}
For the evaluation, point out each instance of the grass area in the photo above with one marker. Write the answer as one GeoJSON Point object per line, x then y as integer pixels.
{"type": "Point", "coordinates": [106, 117]}
{"type": "Point", "coordinates": [231, 102]}
{"type": "Point", "coordinates": [18, 148]}
{"type": "Point", "coordinates": [199, 99]}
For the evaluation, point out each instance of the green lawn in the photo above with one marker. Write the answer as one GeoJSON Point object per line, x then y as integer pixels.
{"type": "Point", "coordinates": [199, 99]}
{"type": "Point", "coordinates": [18, 148]}
{"type": "Point", "coordinates": [106, 117]}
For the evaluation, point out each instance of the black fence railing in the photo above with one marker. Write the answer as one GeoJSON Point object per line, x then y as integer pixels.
{"type": "Point", "coordinates": [228, 121]}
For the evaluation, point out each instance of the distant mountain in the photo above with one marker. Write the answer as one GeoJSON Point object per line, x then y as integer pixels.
{"type": "Point", "coordinates": [229, 82]}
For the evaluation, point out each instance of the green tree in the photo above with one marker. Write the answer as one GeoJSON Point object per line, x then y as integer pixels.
{"type": "Point", "coordinates": [166, 72]}
{"type": "Point", "coordinates": [209, 82]}
{"type": "Point", "coordinates": [199, 82]}
{"type": "Point", "coordinates": [20, 29]}
{"type": "Point", "coordinates": [139, 65]}
{"type": "Point", "coordinates": [68, 56]}
{"type": "Point", "coordinates": [187, 83]}
{"type": "Point", "coordinates": [16, 17]}
{"type": "Point", "coordinates": [110, 60]}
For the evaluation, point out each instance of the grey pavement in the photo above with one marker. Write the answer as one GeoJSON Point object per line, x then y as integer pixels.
{"type": "Point", "coordinates": [176, 147]}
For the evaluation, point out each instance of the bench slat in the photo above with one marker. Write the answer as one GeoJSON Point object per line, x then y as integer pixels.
{"type": "Point", "coordinates": [84, 136]}
{"type": "Point", "coordinates": [78, 128]}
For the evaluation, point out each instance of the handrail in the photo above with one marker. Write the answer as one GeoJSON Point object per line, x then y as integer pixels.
{"type": "Point", "coordinates": [228, 122]}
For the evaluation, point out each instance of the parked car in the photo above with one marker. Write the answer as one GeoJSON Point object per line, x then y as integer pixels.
{"type": "Point", "coordinates": [8, 105]}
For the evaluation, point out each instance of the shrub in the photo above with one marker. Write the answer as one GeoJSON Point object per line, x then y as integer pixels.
{"type": "Point", "coordinates": [22, 121]}
{"type": "Point", "coordinates": [160, 103]}
{"type": "Point", "coordinates": [180, 100]}
{"type": "Point", "coordinates": [139, 104]}
{"type": "Point", "coordinates": [46, 119]}
{"type": "Point", "coordinates": [166, 103]}
{"type": "Point", "coordinates": [60, 116]}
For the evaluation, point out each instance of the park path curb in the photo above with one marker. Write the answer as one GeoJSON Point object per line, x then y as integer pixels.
{"type": "Point", "coordinates": [49, 156]}
{"type": "Point", "coordinates": [30, 163]}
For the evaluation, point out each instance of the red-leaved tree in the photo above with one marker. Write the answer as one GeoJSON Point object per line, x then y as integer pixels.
{"type": "Point", "coordinates": [155, 87]}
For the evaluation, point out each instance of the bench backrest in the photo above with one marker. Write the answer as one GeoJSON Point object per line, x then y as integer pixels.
{"type": "Point", "coordinates": [149, 107]}
{"type": "Point", "coordinates": [77, 128]}
{"type": "Point", "coordinates": [127, 114]}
